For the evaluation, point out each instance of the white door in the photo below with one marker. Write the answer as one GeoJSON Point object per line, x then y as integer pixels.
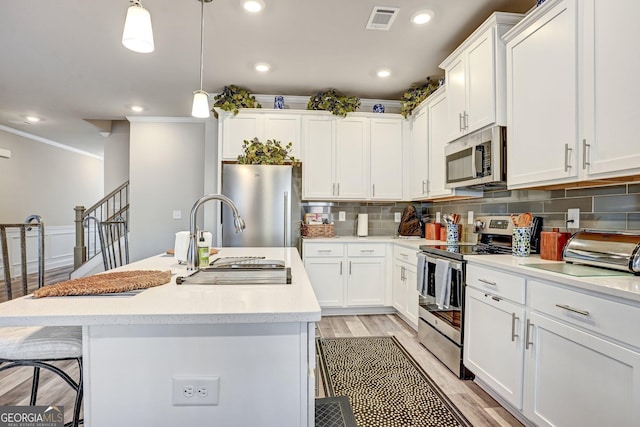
{"type": "Point", "coordinates": [573, 378]}
{"type": "Point", "coordinates": [493, 347]}
{"type": "Point", "coordinates": [481, 82]}
{"type": "Point", "coordinates": [326, 276]}
{"type": "Point", "coordinates": [457, 96]}
{"type": "Point", "coordinates": [352, 158]}
{"type": "Point", "coordinates": [365, 281]}
{"type": "Point", "coordinates": [284, 128]}
{"type": "Point", "coordinates": [419, 161]}
{"type": "Point", "coordinates": [542, 111]}
{"type": "Point", "coordinates": [318, 177]}
{"type": "Point", "coordinates": [386, 159]}
{"type": "Point", "coordinates": [437, 143]}
{"type": "Point", "coordinates": [610, 113]}
{"type": "Point", "coordinates": [236, 129]}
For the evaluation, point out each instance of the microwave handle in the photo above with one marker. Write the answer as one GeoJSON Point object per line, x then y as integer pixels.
{"type": "Point", "coordinates": [478, 162]}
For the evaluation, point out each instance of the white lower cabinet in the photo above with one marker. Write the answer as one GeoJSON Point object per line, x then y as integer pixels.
{"type": "Point", "coordinates": [574, 378]}
{"type": "Point", "coordinates": [560, 357]}
{"type": "Point", "coordinates": [346, 274]}
{"type": "Point", "coordinates": [493, 346]}
{"type": "Point", "coordinates": [404, 284]}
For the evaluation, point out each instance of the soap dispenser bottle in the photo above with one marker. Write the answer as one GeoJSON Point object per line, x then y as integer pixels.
{"type": "Point", "coordinates": [203, 252]}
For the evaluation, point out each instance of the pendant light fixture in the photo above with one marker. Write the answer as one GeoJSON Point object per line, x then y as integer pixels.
{"type": "Point", "coordinates": [138, 34]}
{"type": "Point", "coordinates": [200, 97]}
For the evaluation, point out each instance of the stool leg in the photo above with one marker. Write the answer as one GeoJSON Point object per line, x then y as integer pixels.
{"type": "Point", "coordinates": [34, 386]}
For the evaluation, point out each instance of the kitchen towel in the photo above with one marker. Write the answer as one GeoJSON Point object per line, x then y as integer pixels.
{"type": "Point", "coordinates": [443, 283]}
{"type": "Point", "coordinates": [422, 274]}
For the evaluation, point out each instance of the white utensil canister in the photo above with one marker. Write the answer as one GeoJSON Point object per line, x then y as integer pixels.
{"type": "Point", "coordinates": [363, 225]}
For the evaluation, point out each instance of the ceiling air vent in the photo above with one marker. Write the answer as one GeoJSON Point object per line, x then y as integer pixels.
{"type": "Point", "coordinates": [382, 17]}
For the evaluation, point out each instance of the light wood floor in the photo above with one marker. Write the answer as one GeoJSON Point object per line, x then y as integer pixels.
{"type": "Point", "coordinates": [479, 408]}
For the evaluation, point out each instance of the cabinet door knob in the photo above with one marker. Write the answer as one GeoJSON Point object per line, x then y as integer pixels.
{"type": "Point", "coordinates": [513, 327]}
{"type": "Point", "coordinates": [527, 336]}
{"type": "Point", "coordinates": [573, 310]}
{"type": "Point", "coordinates": [585, 163]}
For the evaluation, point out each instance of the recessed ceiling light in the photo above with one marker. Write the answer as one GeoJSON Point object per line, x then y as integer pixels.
{"type": "Point", "coordinates": [383, 73]}
{"type": "Point", "coordinates": [137, 108]}
{"type": "Point", "coordinates": [263, 67]}
{"type": "Point", "coordinates": [253, 6]}
{"type": "Point", "coordinates": [32, 119]}
{"type": "Point", "coordinates": [422, 16]}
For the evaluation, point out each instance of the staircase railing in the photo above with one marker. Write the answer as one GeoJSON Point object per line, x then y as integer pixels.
{"type": "Point", "coordinates": [114, 204]}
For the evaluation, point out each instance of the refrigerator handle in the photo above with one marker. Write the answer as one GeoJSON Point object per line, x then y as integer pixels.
{"type": "Point", "coordinates": [287, 220]}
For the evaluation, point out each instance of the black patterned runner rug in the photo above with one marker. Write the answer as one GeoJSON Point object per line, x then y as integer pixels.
{"type": "Point", "coordinates": [385, 385]}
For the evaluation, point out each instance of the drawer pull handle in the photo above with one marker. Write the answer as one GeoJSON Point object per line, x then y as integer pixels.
{"type": "Point", "coordinates": [527, 336]}
{"type": "Point", "coordinates": [487, 282]}
{"type": "Point", "coordinates": [367, 250]}
{"type": "Point", "coordinates": [341, 268]}
{"type": "Point", "coordinates": [513, 326]}
{"type": "Point", "coordinates": [404, 255]}
{"type": "Point", "coordinates": [496, 299]}
{"type": "Point", "coordinates": [574, 310]}
{"type": "Point", "coordinates": [325, 250]}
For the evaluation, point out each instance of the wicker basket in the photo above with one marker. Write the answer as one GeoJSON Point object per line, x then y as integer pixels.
{"type": "Point", "coordinates": [316, 230]}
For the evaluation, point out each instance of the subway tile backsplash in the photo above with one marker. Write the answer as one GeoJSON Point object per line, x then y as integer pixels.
{"type": "Point", "coordinates": [614, 208]}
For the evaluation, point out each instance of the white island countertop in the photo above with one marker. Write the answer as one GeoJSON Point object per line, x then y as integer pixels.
{"type": "Point", "coordinates": [179, 304]}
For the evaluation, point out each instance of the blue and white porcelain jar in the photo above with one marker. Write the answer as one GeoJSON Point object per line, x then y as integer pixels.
{"type": "Point", "coordinates": [278, 102]}
{"type": "Point", "coordinates": [378, 108]}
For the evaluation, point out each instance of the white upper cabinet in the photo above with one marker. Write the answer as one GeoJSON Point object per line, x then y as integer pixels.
{"type": "Point", "coordinates": [419, 154]}
{"type": "Point", "coordinates": [427, 142]}
{"type": "Point", "coordinates": [565, 121]}
{"type": "Point", "coordinates": [542, 77]}
{"type": "Point", "coordinates": [336, 161]}
{"type": "Point", "coordinates": [608, 140]}
{"type": "Point", "coordinates": [474, 74]}
{"type": "Point", "coordinates": [386, 159]}
{"type": "Point", "coordinates": [249, 124]}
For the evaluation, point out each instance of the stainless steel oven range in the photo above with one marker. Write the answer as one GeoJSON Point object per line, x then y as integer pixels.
{"type": "Point", "coordinates": [441, 318]}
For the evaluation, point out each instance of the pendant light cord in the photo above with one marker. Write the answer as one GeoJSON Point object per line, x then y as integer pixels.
{"type": "Point", "coordinates": [201, 41]}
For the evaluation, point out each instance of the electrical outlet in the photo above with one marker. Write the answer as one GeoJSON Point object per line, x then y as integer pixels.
{"type": "Point", "coordinates": [437, 217]}
{"type": "Point", "coordinates": [573, 218]}
{"type": "Point", "coordinates": [195, 391]}
{"type": "Point", "coordinates": [470, 217]}
{"type": "Point", "coordinates": [177, 214]}
{"type": "Point", "coordinates": [397, 216]}
{"type": "Point", "coordinates": [342, 216]}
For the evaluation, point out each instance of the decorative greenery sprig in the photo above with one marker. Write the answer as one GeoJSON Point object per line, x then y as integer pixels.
{"type": "Point", "coordinates": [331, 100]}
{"type": "Point", "coordinates": [266, 153]}
{"type": "Point", "coordinates": [412, 97]}
{"type": "Point", "coordinates": [232, 98]}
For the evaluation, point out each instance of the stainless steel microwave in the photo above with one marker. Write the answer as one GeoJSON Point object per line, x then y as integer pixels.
{"type": "Point", "coordinates": [477, 159]}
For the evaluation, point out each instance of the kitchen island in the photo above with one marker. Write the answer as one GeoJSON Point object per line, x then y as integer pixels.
{"type": "Point", "coordinates": [256, 342]}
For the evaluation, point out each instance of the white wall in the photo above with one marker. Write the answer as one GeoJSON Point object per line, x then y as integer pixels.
{"type": "Point", "coordinates": [116, 156]}
{"type": "Point", "coordinates": [44, 179]}
{"type": "Point", "coordinates": [170, 162]}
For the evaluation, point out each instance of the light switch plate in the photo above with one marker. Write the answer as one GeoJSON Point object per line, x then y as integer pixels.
{"type": "Point", "coordinates": [5, 154]}
{"type": "Point", "coordinates": [177, 214]}
{"type": "Point", "coordinates": [437, 217]}
{"type": "Point", "coordinates": [342, 216]}
{"type": "Point", "coordinates": [470, 217]}
{"type": "Point", "coordinates": [397, 216]}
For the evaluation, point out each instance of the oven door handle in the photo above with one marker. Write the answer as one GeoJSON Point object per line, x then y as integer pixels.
{"type": "Point", "coordinates": [455, 265]}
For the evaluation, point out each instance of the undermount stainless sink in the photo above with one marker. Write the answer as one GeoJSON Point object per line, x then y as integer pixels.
{"type": "Point", "coordinates": [240, 271]}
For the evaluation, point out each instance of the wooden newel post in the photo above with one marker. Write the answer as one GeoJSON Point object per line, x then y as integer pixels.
{"type": "Point", "coordinates": [79, 251]}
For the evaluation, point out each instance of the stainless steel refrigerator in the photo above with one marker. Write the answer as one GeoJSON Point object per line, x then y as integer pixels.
{"type": "Point", "coordinates": [263, 195]}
